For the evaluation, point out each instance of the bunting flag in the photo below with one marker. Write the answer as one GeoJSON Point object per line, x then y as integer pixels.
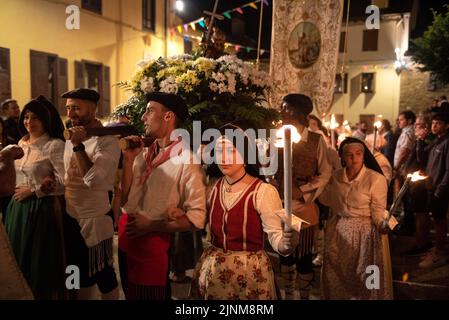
{"type": "Point", "coordinates": [253, 5]}
{"type": "Point", "coordinates": [227, 14]}
{"type": "Point", "coordinates": [305, 41]}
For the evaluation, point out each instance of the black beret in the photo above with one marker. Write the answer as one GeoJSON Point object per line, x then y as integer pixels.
{"type": "Point", "coordinates": [172, 102]}
{"type": "Point", "coordinates": [83, 94]}
{"type": "Point", "coordinates": [299, 104]}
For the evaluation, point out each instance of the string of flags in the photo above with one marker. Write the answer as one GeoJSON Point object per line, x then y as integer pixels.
{"type": "Point", "coordinates": [184, 28]}
{"type": "Point", "coordinates": [237, 47]}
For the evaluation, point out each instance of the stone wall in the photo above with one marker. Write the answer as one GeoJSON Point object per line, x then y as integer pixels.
{"type": "Point", "coordinates": [415, 94]}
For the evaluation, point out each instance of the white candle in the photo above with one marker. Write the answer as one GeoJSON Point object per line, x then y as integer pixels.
{"type": "Point", "coordinates": [377, 125]}
{"type": "Point", "coordinates": [286, 136]}
{"type": "Point", "coordinates": [288, 175]}
{"type": "Point", "coordinates": [333, 125]}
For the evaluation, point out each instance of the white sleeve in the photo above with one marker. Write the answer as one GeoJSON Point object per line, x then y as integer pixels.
{"type": "Point", "coordinates": [378, 199]}
{"type": "Point", "coordinates": [194, 194]}
{"type": "Point", "coordinates": [56, 151]}
{"type": "Point", "coordinates": [105, 162]}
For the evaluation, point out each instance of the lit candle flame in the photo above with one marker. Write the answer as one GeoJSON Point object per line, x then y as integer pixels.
{"type": "Point", "coordinates": [378, 124]}
{"type": "Point", "coordinates": [280, 133]}
{"type": "Point", "coordinates": [416, 176]}
{"type": "Point", "coordinates": [333, 123]}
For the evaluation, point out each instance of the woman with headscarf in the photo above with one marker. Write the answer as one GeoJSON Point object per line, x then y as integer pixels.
{"type": "Point", "coordinates": [241, 209]}
{"type": "Point", "coordinates": [34, 215]}
{"type": "Point", "coordinates": [356, 256]}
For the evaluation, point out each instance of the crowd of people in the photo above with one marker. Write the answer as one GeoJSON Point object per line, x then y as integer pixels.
{"type": "Point", "coordinates": [61, 212]}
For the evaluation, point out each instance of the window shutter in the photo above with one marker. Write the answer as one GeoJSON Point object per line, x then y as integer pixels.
{"type": "Point", "coordinates": [5, 74]}
{"type": "Point", "coordinates": [106, 92]}
{"type": "Point", "coordinates": [39, 74]}
{"type": "Point", "coordinates": [79, 75]}
{"type": "Point", "coordinates": [62, 84]}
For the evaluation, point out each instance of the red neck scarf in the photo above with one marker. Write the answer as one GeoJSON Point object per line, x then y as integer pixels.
{"type": "Point", "coordinates": [153, 158]}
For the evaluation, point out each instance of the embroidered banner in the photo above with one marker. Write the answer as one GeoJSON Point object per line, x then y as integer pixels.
{"type": "Point", "coordinates": [304, 49]}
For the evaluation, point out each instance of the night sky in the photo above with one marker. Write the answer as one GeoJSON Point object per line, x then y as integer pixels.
{"type": "Point", "coordinates": [194, 8]}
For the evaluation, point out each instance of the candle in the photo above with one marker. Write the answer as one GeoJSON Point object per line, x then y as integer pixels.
{"type": "Point", "coordinates": [285, 137]}
{"type": "Point", "coordinates": [377, 125]}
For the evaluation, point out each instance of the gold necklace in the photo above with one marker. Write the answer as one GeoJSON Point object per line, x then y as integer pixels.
{"type": "Point", "coordinates": [228, 188]}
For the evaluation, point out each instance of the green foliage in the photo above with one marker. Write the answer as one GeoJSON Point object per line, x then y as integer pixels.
{"type": "Point", "coordinates": [216, 91]}
{"type": "Point", "coordinates": [432, 49]}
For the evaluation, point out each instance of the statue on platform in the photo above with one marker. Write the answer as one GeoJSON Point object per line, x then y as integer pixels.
{"type": "Point", "coordinates": [214, 47]}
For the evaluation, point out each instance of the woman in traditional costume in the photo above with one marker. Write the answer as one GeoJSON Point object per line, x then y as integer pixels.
{"type": "Point", "coordinates": [241, 209]}
{"type": "Point", "coordinates": [33, 222]}
{"type": "Point", "coordinates": [356, 261]}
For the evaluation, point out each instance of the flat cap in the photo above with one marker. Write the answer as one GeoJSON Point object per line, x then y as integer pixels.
{"type": "Point", "coordinates": [83, 94]}
{"type": "Point", "coordinates": [171, 101]}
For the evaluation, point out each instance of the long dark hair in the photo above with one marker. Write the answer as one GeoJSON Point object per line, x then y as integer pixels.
{"type": "Point", "coordinates": [47, 114]}
{"type": "Point", "coordinates": [249, 146]}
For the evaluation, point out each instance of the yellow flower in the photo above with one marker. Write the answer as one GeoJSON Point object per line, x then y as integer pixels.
{"type": "Point", "coordinates": [187, 80]}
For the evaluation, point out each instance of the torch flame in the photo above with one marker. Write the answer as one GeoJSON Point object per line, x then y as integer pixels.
{"type": "Point", "coordinates": [296, 137]}
{"type": "Point", "coordinates": [416, 176]}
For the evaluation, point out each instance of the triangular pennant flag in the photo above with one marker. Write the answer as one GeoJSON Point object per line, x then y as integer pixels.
{"type": "Point", "coordinates": [179, 29]}
{"type": "Point", "coordinates": [239, 10]}
{"type": "Point", "coordinates": [237, 48]}
{"type": "Point", "coordinates": [186, 27]}
{"type": "Point", "coordinates": [248, 49]}
{"type": "Point", "coordinates": [262, 51]}
{"type": "Point", "coordinates": [193, 25]}
{"type": "Point", "coordinates": [227, 14]}
{"type": "Point", "coordinates": [266, 2]}
{"type": "Point", "coordinates": [201, 22]}
{"type": "Point", "coordinates": [253, 5]}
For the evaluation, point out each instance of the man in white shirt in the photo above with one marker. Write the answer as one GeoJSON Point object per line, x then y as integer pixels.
{"type": "Point", "coordinates": [163, 193]}
{"type": "Point", "coordinates": [406, 140]}
{"type": "Point", "coordinates": [90, 164]}
{"type": "Point", "coordinates": [404, 147]}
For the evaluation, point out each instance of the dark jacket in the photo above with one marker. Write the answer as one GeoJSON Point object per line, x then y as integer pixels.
{"type": "Point", "coordinates": [12, 131]}
{"type": "Point", "coordinates": [438, 166]}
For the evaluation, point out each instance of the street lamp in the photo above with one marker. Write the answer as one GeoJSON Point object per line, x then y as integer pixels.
{"type": "Point", "coordinates": [179, 5]}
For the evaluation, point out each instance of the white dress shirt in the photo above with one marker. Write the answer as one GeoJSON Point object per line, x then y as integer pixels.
{"type": "Point", "coordinates": [406, 141]}
{"type": "Point", "coordinates": [173, 184]}
{"type": "Point", "coordinates": [42, 158]}
{"type": "Point", "coordinates": [87, 198]}
{"type": "Point", "coordinates": [364, 196]}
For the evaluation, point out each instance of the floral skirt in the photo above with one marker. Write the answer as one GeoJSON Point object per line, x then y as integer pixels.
{"type": "Point", "coordinates": [233, 275]}
{"type": "Point", "coordinates": [356, 261]}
